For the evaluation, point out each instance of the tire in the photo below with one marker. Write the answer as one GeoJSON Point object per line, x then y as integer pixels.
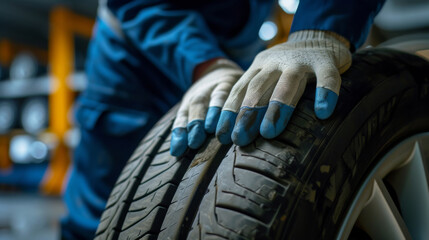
{"type": "Point", "coordinates": [35, 115]}
{"type": "Point", "coordinates": [299, 185]}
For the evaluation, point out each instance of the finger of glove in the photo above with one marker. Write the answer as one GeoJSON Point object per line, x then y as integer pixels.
{"type": "Point", "coordinates": [212, 119]}
{"type": "Point", "coordinates": [179, 136]}
{"type": "Point", "coordinates": [261, 88]}
{"type": "Point", "coordinates": [217, 100]}
{"type": "Point", "coordinates": [197, 113]}
{"type": "Point", "coordinates": [182, 115]}
{"type": "Point", "coordinates": [179, 141]}
{"type": "Point", "coordinates": [327, 90]}
{"type": "Point", "coordinates": [238, 91]}
{"type": "Point", "coordinates": [254, 107]}
{"type": "Point", "coordinates": [220, 93]}
{"type": "Point", "coordinates": [285, 97]}
{"type": "Point", "coordinates": [196, 134]}
{"type": "Point", "coordinates": [232, 105]}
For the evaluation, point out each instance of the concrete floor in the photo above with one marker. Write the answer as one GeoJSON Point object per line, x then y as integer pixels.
{"type": "Point", "coordinates": [29, 216]}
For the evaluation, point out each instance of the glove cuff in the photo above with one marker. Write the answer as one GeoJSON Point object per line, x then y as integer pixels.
{"type": "Point", "coordinates": [317, 35]}
{"type": "Point", "coordinates": [221, 63]}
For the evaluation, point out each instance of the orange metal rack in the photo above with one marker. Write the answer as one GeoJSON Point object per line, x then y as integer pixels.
{"type": "Point", "coordinates": [63, 25]}
{"type": "Point", "coordinates": [8, 50]}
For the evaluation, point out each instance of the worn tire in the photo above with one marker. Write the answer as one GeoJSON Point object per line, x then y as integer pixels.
{"type": "Point", "coordinates": [296, 186]}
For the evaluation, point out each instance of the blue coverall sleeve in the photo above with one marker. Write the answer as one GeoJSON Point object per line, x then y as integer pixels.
{"type": "Point", "coordinates": [174, 39]}
{"type": "Point", "coordinates": [350, 19]}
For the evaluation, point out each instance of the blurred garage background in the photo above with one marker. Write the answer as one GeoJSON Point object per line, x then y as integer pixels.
{"type": "Point", "coordinates": [42, 53]}
{"type": "Point", "coordinates": [42, 56]}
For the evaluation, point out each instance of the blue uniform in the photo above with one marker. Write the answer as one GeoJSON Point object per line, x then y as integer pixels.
{"type": "Point", "coordinates": [140, 63]}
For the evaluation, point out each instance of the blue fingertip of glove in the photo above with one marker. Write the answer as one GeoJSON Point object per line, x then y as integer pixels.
{"type": "Point", "coordinates": [179, 142]}
{"type": "Point", "coordinates": [212, 119]}
{"type": "Point", "coordinates": [247, 128]}
{"type": "Point", "coordinates": [196, 134]}
{"type": "Point", "coordinates": [276, 119]}
{"type": "Point", "coordinates": [225, 126]}
{"type": "Point", "coordinates": [325, 102]}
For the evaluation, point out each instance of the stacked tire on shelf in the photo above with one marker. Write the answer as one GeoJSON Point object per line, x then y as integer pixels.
{"type": "Point", "coordinates": [299, 185]}
{"type": "Point", "coordinates": [30, 114]}
{"type": "Point", "coordinates": [24, 107]}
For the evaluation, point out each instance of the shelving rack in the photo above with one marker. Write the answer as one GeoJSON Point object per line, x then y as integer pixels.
{"type": "Point", "coordinates": [58, 85]}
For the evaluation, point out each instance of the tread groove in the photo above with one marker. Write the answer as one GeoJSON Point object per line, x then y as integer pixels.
{"type": "Point", "coordinates": [155, 189]}
{"type": "Point", "coordinates": [143, 218]}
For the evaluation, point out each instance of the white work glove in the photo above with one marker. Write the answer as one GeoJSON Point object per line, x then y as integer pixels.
{"type": "Point", "coordinates": [264, 98]}
{"type": "Point", "coordinates": [206, 96]}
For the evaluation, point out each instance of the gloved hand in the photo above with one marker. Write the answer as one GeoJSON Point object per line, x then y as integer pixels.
{"type": "Point", "coordinates": [207, 95]}
{"type": "Point", "coordinates": [264, 98]}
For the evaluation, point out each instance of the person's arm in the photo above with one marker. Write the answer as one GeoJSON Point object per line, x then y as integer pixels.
{"type": "Point", "coordinates": [349, 19]}
{"type": "Point", "coordinates": [176, 40]}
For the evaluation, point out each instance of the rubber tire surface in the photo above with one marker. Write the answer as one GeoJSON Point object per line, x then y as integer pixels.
{"type": "Point", "coordinates": [296, 186]}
